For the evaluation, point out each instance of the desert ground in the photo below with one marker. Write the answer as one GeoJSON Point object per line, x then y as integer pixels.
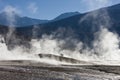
{"type": "Point", "coordinates": [28, 70]}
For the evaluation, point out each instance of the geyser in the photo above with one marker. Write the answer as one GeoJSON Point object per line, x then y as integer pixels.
{"type": "Point", "coordinates": [103, 50]}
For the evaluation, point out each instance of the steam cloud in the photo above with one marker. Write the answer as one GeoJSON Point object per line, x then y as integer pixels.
{"type": "Point", "coordinates": [18, 52]}
{"type": "Point", "coordinates": [105, 45]}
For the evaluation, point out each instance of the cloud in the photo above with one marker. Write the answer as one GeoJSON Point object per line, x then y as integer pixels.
{"type": "Point", "coordinates": [11, 9]}
{"type": "Point", "coordinates": [32, 7]}
{"type": "Point", "coordinates": [95, 4]}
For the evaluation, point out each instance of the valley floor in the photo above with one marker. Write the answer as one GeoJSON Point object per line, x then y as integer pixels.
{"type": "Point", "coordinates": [42, 71]}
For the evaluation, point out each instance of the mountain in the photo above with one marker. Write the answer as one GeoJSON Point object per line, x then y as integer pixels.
{"type": "Point", "coordinates": [18, 20]}
{"type": "Point", "coordinates": [81, 27]}
{"type": "Point", "coordinates": [26, 21]}
{"type": "Point", "coordinates": [66, 15]}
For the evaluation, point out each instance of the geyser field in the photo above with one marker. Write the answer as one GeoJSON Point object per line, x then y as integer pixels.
{"type": "Point", "coordinates": [84, 46]}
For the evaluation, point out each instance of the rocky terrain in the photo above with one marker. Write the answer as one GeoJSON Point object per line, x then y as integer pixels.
{"type": "Point", "coordinates": [28, 70]}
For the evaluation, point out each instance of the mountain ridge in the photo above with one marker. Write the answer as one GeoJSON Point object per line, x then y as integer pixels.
{"type": "Point", "coordinates": [27, 21]}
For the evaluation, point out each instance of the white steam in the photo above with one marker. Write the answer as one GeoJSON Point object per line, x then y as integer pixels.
{"type": "Point", "coordinates": [106, 43]}
{"type": "Point", "coordinates": [18, 52]}
{"type": "Point", "coordinates": [45, 45]}
{"type": "Point", "coordinates": [105, 46]}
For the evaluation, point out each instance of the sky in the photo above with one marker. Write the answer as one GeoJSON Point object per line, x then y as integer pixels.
{"type": "Point", "coordinates": [49, 9]}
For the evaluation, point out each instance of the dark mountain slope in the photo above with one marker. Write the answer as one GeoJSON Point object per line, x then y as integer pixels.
{"type": "Point", "coordinates": [66, 15]}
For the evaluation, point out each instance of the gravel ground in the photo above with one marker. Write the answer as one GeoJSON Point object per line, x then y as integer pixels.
{"type": "Point", "coordinates": [55, 72]}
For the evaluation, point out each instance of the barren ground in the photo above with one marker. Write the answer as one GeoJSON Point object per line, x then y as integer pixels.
{"type": "Point", "coordinates": [26, 70]}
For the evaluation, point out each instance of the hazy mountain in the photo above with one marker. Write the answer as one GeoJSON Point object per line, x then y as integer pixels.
{"type": "Point", "coordinates": [19, 21]}
{"type": "Point", "coordinates": [66, 15]}
{"type": "Point", "coordinates": [26, 21]}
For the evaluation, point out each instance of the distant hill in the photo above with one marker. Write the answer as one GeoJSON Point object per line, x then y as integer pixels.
{"type": "Point", "coordinates": [66, 15]}
{"type": "Point", "coordinates": [20, 21]}
{"type": "Point", "coordinates": [26, 21]}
